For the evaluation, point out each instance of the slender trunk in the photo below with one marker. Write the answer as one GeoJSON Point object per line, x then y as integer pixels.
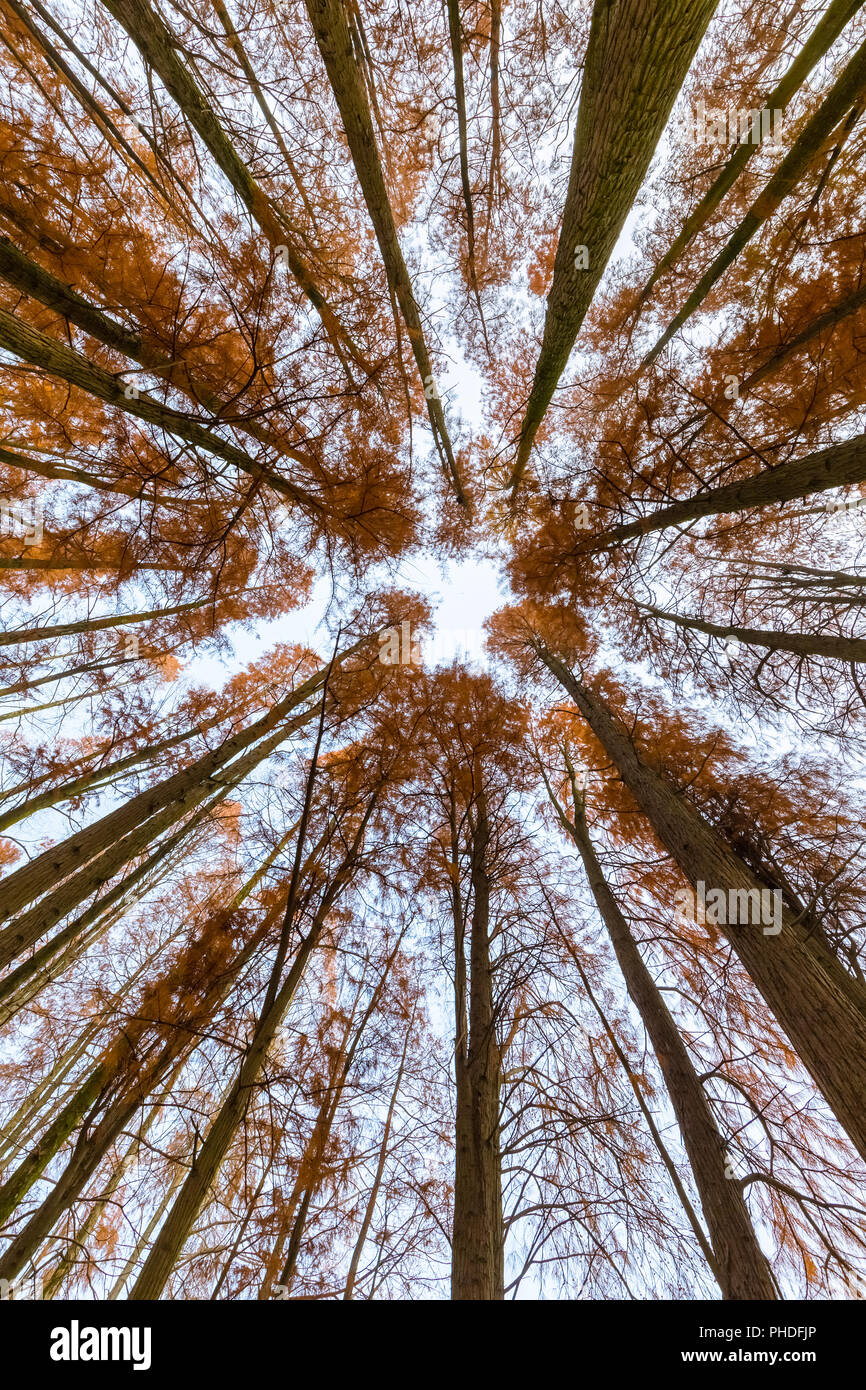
{"type": "Point", "coordinates": [456, 38]}
{"type": "Point", "coordinates": [264, 106]}
{"type": "Point", "coordinates": [310, 1174]}
{"type": "Point", "coordinates": [60, 563]}
{"type": "Point", "coordinates": [846, 649]}
{"type": "Point", "coordinates": [477, 1249]}
{"type": "Point", "coordinates": [77, 1249]}
{"type": "Point", "coordinates": [30, 277]}
{"type": "Point", "coordinates": [739, 1262]}
{"type": "Point", "coordinates": [21, 687]}
{"type": "Point", "coordinates": [843, 96]}
{"type": "Point", "coordinates": [44, 966]}
{"type": "Point", "coordinates": [95, 110]}
{"type": "Point", "coordinates": [820, 1007]}
{"type": "Point", "coordinates": [53, 356]}
{"type": "Point", "coordinates": [91, 1147]}
{"type": "Point", "coordinates": [842, 309]}
{"type": "Point", "coordinates": [331, 28]}
{"type": "Point", "coordinates": [309, 1170]}
{"type": "Point", "coordinates": [824, 35]}
{"type": "Point", "coordinates": [20, 1126]}
{"type": "Point", "coordinates": [23, 931]}
{"type": "Point", "coordinates": [14, 637]}
{"type": "Point", "coordinates": [162, 53]}
{"type": "Point", "coordinates": [663, 1151]}
{"type": "Point", "coordinates": [129, 828]}
{"type": "Point", "coordinates": [100, 776]}
{"type": "Point", "coordinates": [370, 1208]}
{"type": "Point", "coordinates": [193, 1194]}
{"type": "Point", "coordinates": [30, 464]}
{"type": "Point", "coordinates": [494, 185]}
{"type": "Point", "coordinates": [637, 58]}
{"type": "Point", "coordinates": [836, 466]}
{"type": "Point", "coordinates": [117, 1059]}
{"type": "Point", "coordinates": [144, 1240]}
{"type": "Point", "coordinates": [229, 1260]}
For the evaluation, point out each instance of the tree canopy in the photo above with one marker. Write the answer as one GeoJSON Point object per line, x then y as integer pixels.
{"type": "Point", "coordinates": [329, 970]}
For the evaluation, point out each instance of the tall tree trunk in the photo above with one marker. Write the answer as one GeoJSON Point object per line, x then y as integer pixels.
{"type": "Point", "coordinates": [842, 98]}
{"type": "Point", "coordinates": [369, 1210]}
{"type": "Point", "coordinates": [494, 183]}
{"type": "Point", "coordinates": [836, 466]}
{"type": "Point", "coordinates": [739, 1262]}
{"type": "Point", "coordinates": [43, 967]}
{"type": "Point", "coordinates": [109, 1076]}
{"type": "Point", "coordinates": [13, 637]}
{"type": "Point", "coordinates": [309, 1170]}
{"type": "Point", "coordinates": [129, 828]}
{"type": "Point", "coordinates": [193, 1194]}
{"type": "Point", "coordinates": [242, 1228]}
{"type": "Point", "coordinates": [478, 1238]}
{"type": "Point", "coordinates": [819, 1006]}
{"type": "Point", "coordinates": [56, 358]}
{"type": "Point", "coordinates": [30, 277]}
{"type": "Point", "coordinates": [846, 649]}
{"type": "Point", "coordinates": [101, 775]}
{"type": "Point", "coordinates": [161, 51]}
{"type": "Point", "coordinates": [824, 35]}
{"type": "Point", "coordinates": [841, 310]}
{"type": "Point", "coordinates": [310, 1175]}
{"type": "Point", "coordinates": [637, 58]}
{"type": "Point", "coordinates": [77, 1249]}
{"type": "Point", "coordinates": [144, 1240]}
{"type": "Point", "coordinates": [456, 38]}
{"type": "Point", "coordinates": [328, 18]}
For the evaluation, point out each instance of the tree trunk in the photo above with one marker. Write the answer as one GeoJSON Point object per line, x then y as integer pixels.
{"type": "Point", "coordinates": [846, 649]}
{"type": "Point", "coordinates": [129, 828]}
{"type": "Point", "coordinates": [824, 35]}
{"type": "Point", "coordinates": [844, 95]}
{"type": "Point", "coordinates": [110, 1071]}
{"type": "Point", "coordinates": [477, 1249]}
{"type": "Point", "coordinates": [819, 1006]}
{"type": "Point", "coordinates": [351, 1277]}
{"type": "Point", "coordinates": [47, 634]}
{"type": "Point", "coordinates": [329, 23]}
{"type": "Point", "coordinates": [456, 38]}
{"type": "Point", "coordinates": [30, 277]}
{"type": "Point", "coordinates": [842, 309]}
{"type": "Point", "coordinates": [740, 1265]}
{"type": "Point", "coordinates": [309, 1176]}
{"type": "Point", "coordinates": [637, 58]}
{"type": "Point", "coordinates": [836, 466]}
{"type": "Point", "coordinates": [193, 1194]}
{"type": "Point", "coordinates": [161, 52]}
{"type": "Point", "coordinates": [53, 356]}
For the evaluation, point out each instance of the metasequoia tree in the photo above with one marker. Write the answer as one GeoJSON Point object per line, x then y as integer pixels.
{"type": "Point", "coordinates": [467, 755]}
{"type": "Point", "coordinates": [802, 981]}
{"type": "Point", "coordinates": [636, 59]}
{"type": "Point", "coordinates": [736, 1257]}
{"type": "Point", "coordinates": [325, 970]}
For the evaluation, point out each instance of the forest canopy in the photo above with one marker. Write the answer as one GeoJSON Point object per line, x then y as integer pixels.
{"type": "Point", "coordinates": [330, 970]}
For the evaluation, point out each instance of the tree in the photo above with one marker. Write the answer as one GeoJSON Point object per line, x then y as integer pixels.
{"type": "Point", "coordinates": [331, 969]}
